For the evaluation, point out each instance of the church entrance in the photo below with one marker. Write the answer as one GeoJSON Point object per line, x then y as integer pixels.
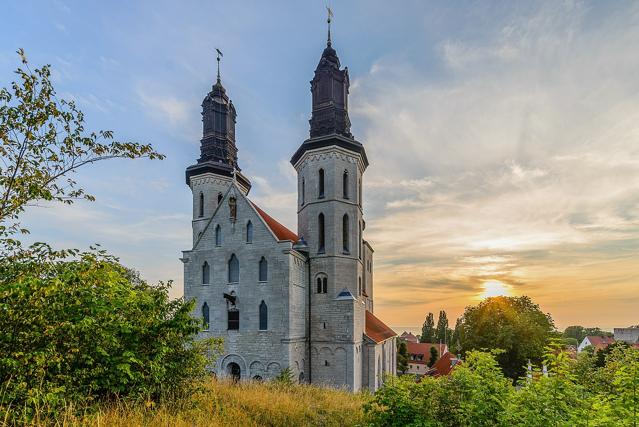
{"type": "Point", "coordinates": [234, 371]}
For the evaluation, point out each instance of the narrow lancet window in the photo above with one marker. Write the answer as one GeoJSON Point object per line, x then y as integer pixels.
{"type": "Point", "coordinates": [345, 184]}
{"type": "Point", "coordinates": [345, 233]}
{"type": "Point", "coordinates": [201, 208]}
{"type": "Point", "coordinates": [205, 316]}
{"type": "Point", "coordinates": [263, 276]}
{"type": "Point", "coordinates": [263, 316]}
{"type": "Point", "coordinates": [206, 273]}
{"type": "Point", "coordinates": [234, 269]}
{"type": "Point", "coordinates": [233, 320]}
{"type": "Point", "coordinates": [249, 232]}
{"type": "Point", "coordinates": [303, 190]}
{"type": "Point", "coordinates": [320, 177]}
{"type": "Point", "coordinates": [218, 235]}
{"type": "Point", "coordinates": [320, 233]}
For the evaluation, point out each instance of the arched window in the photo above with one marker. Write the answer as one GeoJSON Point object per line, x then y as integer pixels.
{"type": "Point", "coordinates": [249, 232]}
{"type": "Point", "coordinates": [263, 270]}
{"type": "Point", "coordinates": [359, 193]}
{"type": "Point", "coordinates": [320, 235]}
{"type": "Point", "coordinates": [320, 177]}
{"type": "Point", "coordinates": [234, 269]}
{"type": "Point", "coordinates": [345, 184]}
{"type": "Point", "coordinates": [303, 190]}
{"type": "Point", "coordinates": [219, 198]}
{"type": "Point", "coordinates": [359, 289]}
{"type": "Point", "coordinates": [206, 273]}
{"type": "Point", "coordinates": [205, 316]}
{"type": "Point", "coordinates": [263, 316]}
{"type": "Point", "coordinates": [345, 233]}
{"type": "Point", "coordinates": [218, 235]}
{"type": "Point", "coordinates": [201, 210]}
{"type": "Point", "coordinates": [322, 283]}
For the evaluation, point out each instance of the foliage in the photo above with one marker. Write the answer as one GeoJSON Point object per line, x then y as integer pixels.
{"type": "Point", "coordinates": [473, 395]}
{"type": "Point", "coordinates": [285, 377]}
{"type": "Point", "coordinates": [428, 329]}
{"type": "Point", "coordinates": [457, 336]}
{"type": "Point", "coordinates": [570, 341]}
{"type": "Point", "coordinates": [78, 327]}
{"type": "Point", "coordinates": [402, 357]}
{"type": "Point", "coordinates": [441, 333]}
{"type": "Point", "coordinates": [43, 142]}
{"type": "Point", "coordinates": [434, 355]}
{"type": "Point", "coordinates": [476, 393]}
{"type": "Point", "coordinates": [513, 324]}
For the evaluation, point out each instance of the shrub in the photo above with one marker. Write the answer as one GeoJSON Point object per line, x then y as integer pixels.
{"type": "Point", "coordinates": [80, 328]}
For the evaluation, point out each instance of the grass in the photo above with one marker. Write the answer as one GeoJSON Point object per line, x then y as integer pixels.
{"type": "Point", "coordinates": [221, 403]}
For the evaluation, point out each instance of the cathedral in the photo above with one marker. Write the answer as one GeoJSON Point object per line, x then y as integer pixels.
{"type": "Point", "coordinates": [282, 299]}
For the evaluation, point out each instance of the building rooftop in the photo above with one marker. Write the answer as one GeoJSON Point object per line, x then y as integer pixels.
{"type": "Point", "coordinates": [280, 231]}
{"type": "Point", "coordinates": [376, 329]}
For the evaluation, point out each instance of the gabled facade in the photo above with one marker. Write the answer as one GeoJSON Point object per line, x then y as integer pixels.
{"type": "Point", "coordinates": [281, 299]}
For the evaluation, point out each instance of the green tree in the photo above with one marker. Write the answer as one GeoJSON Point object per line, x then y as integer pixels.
{"type": "Point", "coordinates": [514, 324]}
{"type": "Point", "coordinates": [402, 357]}
{"type": "Point", "coordinates": [428, 329]}
{"type": "Point", "coordinates": [434, 355]}
{"type": "Point", "coordinates": [457, 337]}
{"type": "Point", "coordinates": [78, 327]}
{"type": "Point", "coordinates": [43, 142]}
{"type": "Point", "coordinates": [441, 334]}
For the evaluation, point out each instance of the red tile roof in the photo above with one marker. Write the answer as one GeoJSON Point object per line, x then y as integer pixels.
{"type": "Point", "coordinates": [600, 342]}
{"type": "Point", "coordinates": [408, 336]}
{"type": "Point", "coordinates": [423, 348]}
{"type": "Point", "coordinates": [280, 231]}
{"type": "Point", "coordinates": [376, 329]}
{"type": "Point", "coordinates": [445, 364]}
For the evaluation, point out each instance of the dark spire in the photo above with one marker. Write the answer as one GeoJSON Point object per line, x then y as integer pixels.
{"type": "Point", "coordinates": [218, 153]}
{"type": "Point", "coordinates": [218, 120]}
{"type": "Point", "coordinates": [330, 94]}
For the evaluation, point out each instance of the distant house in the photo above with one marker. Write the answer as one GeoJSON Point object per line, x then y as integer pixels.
{"type": "Point", "coordinates": [419, 356]}
{"type": "Point", "coordinates": [409, 337]}
{"type": "Point", "coordinates": [598, 342]}
{"type": "Point", "coordinates": [444, 365]}
{"type": "Point", "coordinates": [628, 335]}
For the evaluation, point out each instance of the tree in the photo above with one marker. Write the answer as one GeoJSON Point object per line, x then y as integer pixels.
{"type": "Point", "coordinates": [441, 334]}
{"type": "Point", "coordinates": [428, 329]}
{"type": "Point", "coordinates": [43, 143]}
{"type": "Point", "coordinates": [78, 327]}
{"type": "Point", "coordinates": [402, 357]}
{"type": "Point", "coordinates": [434, 355]}
{"type": "Point", "coordinates": [457, 336]}
{"type": "Point", "coordinates": [513, 324]}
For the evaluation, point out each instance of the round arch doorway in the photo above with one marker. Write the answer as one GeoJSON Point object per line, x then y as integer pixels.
{"type": "Point", "coordinates": [234, 371]}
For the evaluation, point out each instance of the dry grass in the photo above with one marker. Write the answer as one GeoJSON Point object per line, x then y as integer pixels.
{"type": "Point", "coordinates": [220, 403]}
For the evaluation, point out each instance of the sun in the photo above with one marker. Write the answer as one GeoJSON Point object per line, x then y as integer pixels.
{"type": "Point", "coordinates": [494, 288]}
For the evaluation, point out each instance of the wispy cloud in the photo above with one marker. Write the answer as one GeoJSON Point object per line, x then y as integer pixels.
{"type": "Point", "coordinates": [529, 146]}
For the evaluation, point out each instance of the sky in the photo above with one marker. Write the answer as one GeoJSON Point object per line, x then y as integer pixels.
{"type": "Point", "coordinates": [503, 137]}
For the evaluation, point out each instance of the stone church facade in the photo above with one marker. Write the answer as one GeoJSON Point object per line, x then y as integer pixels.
{"type": "Point", "coordinates": [281, 299]}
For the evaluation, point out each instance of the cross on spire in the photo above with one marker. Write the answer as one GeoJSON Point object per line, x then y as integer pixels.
{"type": "Point", "coordinates": [328, 21]}
{"type": "Point", "coordinates": [219, 55]}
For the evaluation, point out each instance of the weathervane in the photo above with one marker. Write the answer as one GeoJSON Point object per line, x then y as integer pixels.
{"type": "Point", "coordinates": [219, 55]}
{"type": "Point", "coordinates": [328, 21]}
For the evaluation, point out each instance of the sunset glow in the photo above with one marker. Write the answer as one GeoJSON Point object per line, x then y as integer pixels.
{"type": "Point", "coordinates": [494, 288]}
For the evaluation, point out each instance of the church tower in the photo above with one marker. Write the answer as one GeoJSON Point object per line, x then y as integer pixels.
{"type": "Point", "coordinates": [330, 167]}
{"type": "Point", "coordinates": [217, 166]}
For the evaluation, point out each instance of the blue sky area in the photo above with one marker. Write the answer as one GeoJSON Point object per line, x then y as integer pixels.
{"type": "Point", "coordinates": [503, 136]}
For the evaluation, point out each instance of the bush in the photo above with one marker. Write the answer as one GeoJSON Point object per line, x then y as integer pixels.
{"type": "Point", "coordinates": [79, 328]}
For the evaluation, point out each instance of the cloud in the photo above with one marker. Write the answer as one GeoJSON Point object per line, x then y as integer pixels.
{"type": "Point", "coordinates": [528, 145]}
{"type": "Point", "coordinates": [165, 107]}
